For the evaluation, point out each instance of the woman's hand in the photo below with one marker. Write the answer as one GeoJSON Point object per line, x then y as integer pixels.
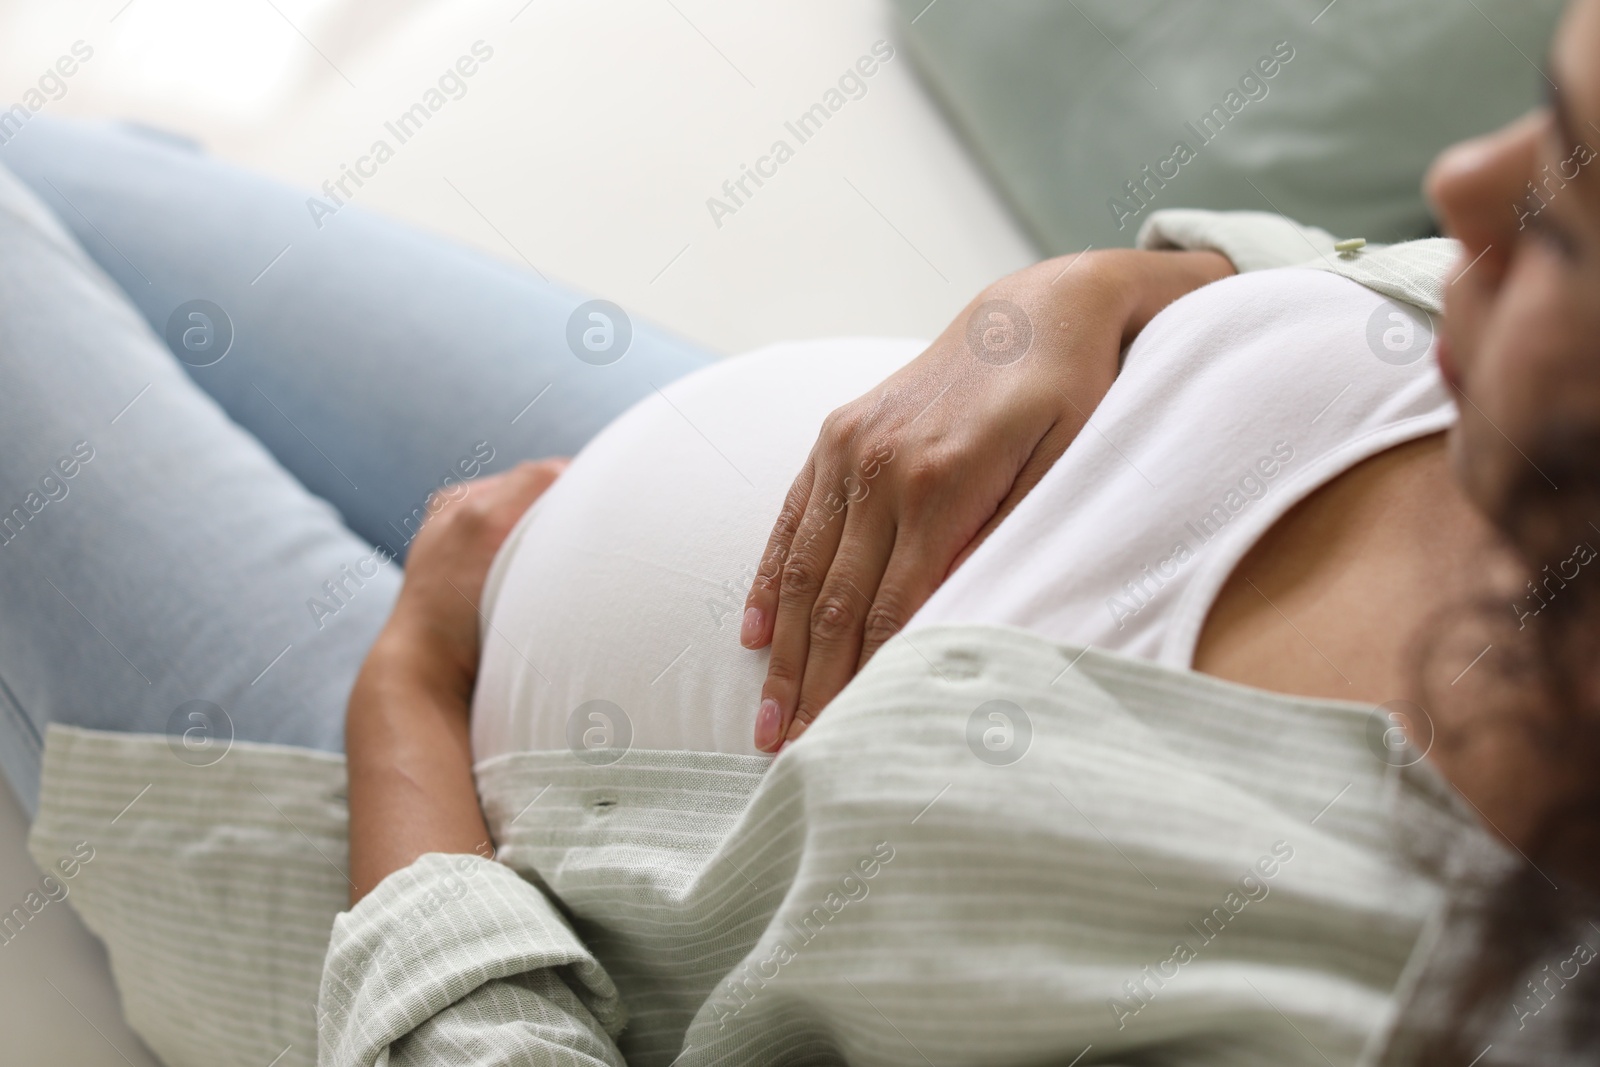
{"type": "Point", "coordinates": [905, 482]}
{"type": "Point", "coordinates": [407, 744]}
{"type": "Point", "coordinates": [436, 616]}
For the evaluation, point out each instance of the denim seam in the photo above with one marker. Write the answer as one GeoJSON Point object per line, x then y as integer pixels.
{"type": "Point", "coordinates": [14, 711]}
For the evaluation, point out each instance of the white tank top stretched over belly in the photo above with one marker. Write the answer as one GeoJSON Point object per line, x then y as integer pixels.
{"type": "Point", "coordinates": [613, 611]}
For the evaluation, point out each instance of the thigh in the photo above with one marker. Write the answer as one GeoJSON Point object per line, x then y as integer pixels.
{"type": "Point", "coordinates": [159, 570]}
{"type": "Point", "coordinates": [372, 360]}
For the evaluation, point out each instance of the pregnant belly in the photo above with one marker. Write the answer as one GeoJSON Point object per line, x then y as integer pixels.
{"type": "Point", "coordinates": [613, 611]}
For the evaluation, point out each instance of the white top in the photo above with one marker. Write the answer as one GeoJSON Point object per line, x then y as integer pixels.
{"type": "Point", "coordinates": [614, 609]}
{"type": "Point", "coordinates": [1234, 404]}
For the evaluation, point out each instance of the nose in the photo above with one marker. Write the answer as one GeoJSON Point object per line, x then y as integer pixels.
{"type": "Point", "coordinates": [1477, 189]}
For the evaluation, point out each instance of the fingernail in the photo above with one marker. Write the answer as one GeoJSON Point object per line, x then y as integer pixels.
{"type": "Point", "coordinates": [769, 723]}
{"type": "Point", "coordinates": [750, 627]}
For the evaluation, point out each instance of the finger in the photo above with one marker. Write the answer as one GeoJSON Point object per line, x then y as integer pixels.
{"type": "Point", "coordinates": [760, 607]}
{"type": "Point", "coordinates": [840, 612]}
{"type": "Point", "coordinates": [816, 539]}
{"type": "Point", "coordinates": [497, 502]}
{"type": "Point", "coordinates": [914, 571]}
{"type": "Point", "coordinates": [531, 475]}
{"type": "Point", "coordinates": [1045, 454]}
{"type": "Point", "coordinates": [521, 484]}
{"type": "Point", "coordinates": [528, 480]}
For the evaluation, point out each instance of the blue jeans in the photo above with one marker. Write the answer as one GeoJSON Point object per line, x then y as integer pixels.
{"type": "Point", "coordinates": [207, 546]}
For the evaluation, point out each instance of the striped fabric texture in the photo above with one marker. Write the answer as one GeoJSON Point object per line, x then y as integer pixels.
{"type": "Point", "coordinates": [991, 850]}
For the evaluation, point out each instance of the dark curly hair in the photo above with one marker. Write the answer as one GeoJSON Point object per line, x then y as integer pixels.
{"type": "Point", "coordinates": [1515, 976]}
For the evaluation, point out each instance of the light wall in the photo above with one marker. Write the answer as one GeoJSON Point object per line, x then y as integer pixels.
{"type": "Point", "coordinates": [588, 146]}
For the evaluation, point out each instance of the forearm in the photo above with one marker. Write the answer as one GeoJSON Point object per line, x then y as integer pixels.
{"type": "Point", "coordinates": [1085, 309]}
{"type": "Point", "coordinates": [1156, 279]}
{"type": "Point", "coordinates": [1127, 285]}
{"type": "Point", "coordinates": [409, 754]}
{"type": "Point", "coordinates": [408, 746]}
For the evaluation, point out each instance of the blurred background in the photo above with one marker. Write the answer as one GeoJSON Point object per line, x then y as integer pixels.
{"type": "Point", "coordinates": [587, 146]}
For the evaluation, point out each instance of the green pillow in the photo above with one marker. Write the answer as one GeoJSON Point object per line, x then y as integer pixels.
{"type": "Point", "coordinates": [1091, 114]}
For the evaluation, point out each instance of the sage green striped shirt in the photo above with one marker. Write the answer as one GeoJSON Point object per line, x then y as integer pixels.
{"type": "Point", "coordinates": [1129, 864]}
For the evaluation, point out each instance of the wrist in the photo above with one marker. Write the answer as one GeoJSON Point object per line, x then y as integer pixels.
{"type": "Point", "coordinates": [405, 657]}
{"type": "Point", "coordinates": [1125, 287]}
{"type": "Point", "coordinates": [1077, 307]}
{"type": "Point", "coordinates": [1156, 279]}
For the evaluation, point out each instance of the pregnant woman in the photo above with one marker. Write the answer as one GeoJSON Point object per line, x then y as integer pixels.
{"type": "Point", "coordinates": [996, 844]}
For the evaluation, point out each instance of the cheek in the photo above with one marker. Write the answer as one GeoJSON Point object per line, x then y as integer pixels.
{"type": "Point", "coordinates": [1526, 354]}
{"type": "Point", "coordinates": [1515, 349]}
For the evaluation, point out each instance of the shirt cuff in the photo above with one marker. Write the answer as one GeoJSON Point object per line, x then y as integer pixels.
{"type": "Point", "coordinates": [1415, 272]}
{"type": "Point", "coordinates": [1253, 240]}
{"type": "Point", "coordinates": [430, 935]}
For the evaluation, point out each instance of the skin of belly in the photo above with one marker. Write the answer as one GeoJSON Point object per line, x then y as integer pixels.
{"type": "Point", "coordinates": [1328, 602]}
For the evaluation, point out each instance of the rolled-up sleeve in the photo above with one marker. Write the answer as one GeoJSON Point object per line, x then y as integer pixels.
{"type": "Point", "coordinates": [1413, 271]}
{"type": "Point", "coordinates": [457, 959]}
{"type": "Point", "coordinates": [1253, 240]}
